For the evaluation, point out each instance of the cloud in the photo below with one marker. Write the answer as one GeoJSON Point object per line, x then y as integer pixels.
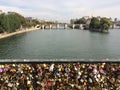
{"type": "Point", "coordinates": [62, 10]}
{"type": "Point", "coordinates": [10, 8]}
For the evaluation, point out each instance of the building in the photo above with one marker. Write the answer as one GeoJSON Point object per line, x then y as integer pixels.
{"type": "Point", "coordinates": [72, 21]}
{"type": "Point", "coordinates": [115, 20]}
{"type": "Point", "coordinates": [86, 17]}
{"type": "Point", "coordinates": [29, 19]}
{"type": "Point", "coordinates": [88, 21]}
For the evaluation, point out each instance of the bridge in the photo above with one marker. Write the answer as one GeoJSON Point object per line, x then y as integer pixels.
{"type": "Point", "coordinates": [62, 26]}
{"type": "Point", "coordinates": [116, 25]}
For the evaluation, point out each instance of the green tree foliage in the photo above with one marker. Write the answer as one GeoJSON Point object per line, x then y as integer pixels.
{"type": "Point", "coordinates": [35, 22]}
{"type": "Point", "coordinates": [95, 24]}
{"type": "Point", "coordinates": [4, 24]}
{"type": "Point", "coordinates": [79, 21]}
{"type": "Point", "coordinates": [23, 22]}
{"type": "Point", "coordinates": [30, 23]}
{"type": "Point", "coordinates": [105, 23]}
{"type": "Point", "coordinates": [13, 21]}
{"type": "Point", "coordinates": [99, 24]}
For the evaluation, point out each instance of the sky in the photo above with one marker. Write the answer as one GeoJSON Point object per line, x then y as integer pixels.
{"type": "Point", "coordinates": [62, 10]}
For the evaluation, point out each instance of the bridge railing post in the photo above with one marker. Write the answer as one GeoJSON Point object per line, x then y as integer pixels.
{"type": "Point", "coordinates": [73, 26]}
{"type": "Point", "coordinates": [43, 26]}
{"type": "Point", "coordinates": [50, 26]}
{"type": "Point", "coordinates": [81, 27]}
{"type": "Point", "coordinates": [57, 26]}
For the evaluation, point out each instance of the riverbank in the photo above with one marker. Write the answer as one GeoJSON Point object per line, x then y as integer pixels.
{"type": "Point", "coordinates": [5, 35]}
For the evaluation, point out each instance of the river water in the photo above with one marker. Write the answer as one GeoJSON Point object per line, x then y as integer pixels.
{"type": "Point", "coordinates": [62, 44]}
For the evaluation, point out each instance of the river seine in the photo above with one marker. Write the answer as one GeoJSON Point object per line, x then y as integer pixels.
{"type": "Point", "coordinates": [62, 44]}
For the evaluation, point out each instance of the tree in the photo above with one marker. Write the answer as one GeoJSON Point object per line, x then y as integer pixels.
{"type": "Point", "coordinates": [23, 22]}
{"type": "Point", "coordinates": [79, 21]}
{"type": "Point", "coordinates": [4, 24]}
{"type": "Point", "coordinates": [105, 23]}
{"type": "Point", "coordinates": [14, 22]}
{"type": "Point", "coordinates": [99, 24]}
{"type": "Point", "coordinates": [95, 24]}
{"type": "Point", "coordinates": [35, 22]}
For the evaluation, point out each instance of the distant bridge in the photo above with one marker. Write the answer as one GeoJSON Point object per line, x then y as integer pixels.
{"type": "Point", "coordinates": [62, 26]}
{"type": "Point", "coordinates": [115, 25]}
